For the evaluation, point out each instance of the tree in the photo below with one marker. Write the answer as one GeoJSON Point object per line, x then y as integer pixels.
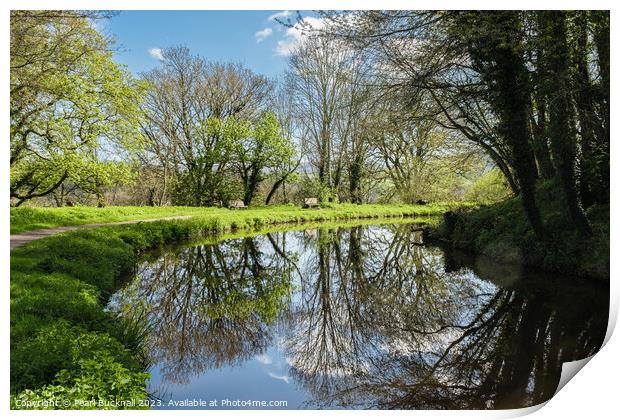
{"type": "Point", "coordinates": [539, 110]}
{"type": "Point", "coordinates": [417, 154]}
{"type": "Point", "coordinates": [471, 64]}
{"type": "Point", "coordinates": [495, 44]}
{"type": "Point", "coordinates": [68, 101]}
{"type": "Point", "coordinates": [189, 112]}
{"type": "Point", "coordinates": [317, 79]}
{"type": "Point", "coordinates": [335, 106]}
{"type": "Point", "coordinates": [561, 119]}
{"type": "Point", "coordinates": [355, 126]}
{"type": "Point", "coordinates": [492, 77]}
{"type": "Point", "coordinates": [257, 148]}
{"type": "Point", "coordinates": [577, 23]}
{"type": "Point", "coordinates": [601, 34]}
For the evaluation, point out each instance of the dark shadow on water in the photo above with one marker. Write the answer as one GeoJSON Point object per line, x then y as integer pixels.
{"type": "Point", "coordinates": [362, 317]}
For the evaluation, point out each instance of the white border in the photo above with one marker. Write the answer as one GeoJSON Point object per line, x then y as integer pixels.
{"type": "Point", "coordinates": [593, 394]}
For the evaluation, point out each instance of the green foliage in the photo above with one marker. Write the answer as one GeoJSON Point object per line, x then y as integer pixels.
{"type": "Point", "coordinates": [489, 188]}
{"type": "Point", "coordinates": [502, 231]}
{"type": "Point", "coordinates": [90, 257]}
{"type": "Point", "coordinates": [244, 151]}
{"type": "Point", "coordinates": [270, 146]}
{"type": "Point", "coordinates": [65, 347]}
{"type": "Point", "coordinates": [60, 345]}
{"type": "Point", "coordinates": [200, 184]}
{"type": "Point", "coordinates": [311, 186]}
{"type": "Point", "coordinates": [98, 382]}
{"type": "Point", "coordinates": [58, 323]}
{"type": "Point", "coordinates": [37, 299]}
{"type": "Point", "coordinates": [259, 147]}
{"type": "Point", "coordinates": [68, 97]}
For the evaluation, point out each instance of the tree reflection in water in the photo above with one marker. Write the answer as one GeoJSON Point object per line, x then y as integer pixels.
{"type": "Point", "coordinates": [368, 317]}
{"type": "Point", "coordinates": [209, 305]}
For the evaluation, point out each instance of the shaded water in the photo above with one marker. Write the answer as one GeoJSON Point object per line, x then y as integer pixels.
{"type": "Point", "coordinates": [362, 317]}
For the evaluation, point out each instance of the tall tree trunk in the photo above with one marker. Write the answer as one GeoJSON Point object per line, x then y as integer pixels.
{"type": "Point", "coordinates": [325, 156]}
{"type": "Point", "coordinates": [251, 186]}
{"type": "Point", "coordinates": [273, 189]}
{"type": "Point", "coordinates": [101, 201]}
{"type": "Point", "coordinates": [589, 184]}
{"type": "Point", "coordinates": [600, 20]}
{"type": "Point", "coordinates": [59, 196]}
{"type": "Point", "coordinates": [162, 197]}
{"type": "Point", "coordinates": [355, 178]}
{"type": "Point", "coordinates": [539, 124]}
{"type": "Point", "coordinates": [561, 124]}
{"type": "Point", "coordinates": [508, 76]}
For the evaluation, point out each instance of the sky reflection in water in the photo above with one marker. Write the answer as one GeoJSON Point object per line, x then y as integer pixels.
{"type": "Point", "coordinates": [362, 317]}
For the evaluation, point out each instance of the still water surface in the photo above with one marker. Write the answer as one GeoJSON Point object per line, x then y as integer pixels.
{"type": "Point", "coordinates": [361, 317]}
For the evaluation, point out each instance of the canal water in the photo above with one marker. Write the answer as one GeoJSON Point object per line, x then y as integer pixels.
{"type": "Point", "coordinates": [355, 317]}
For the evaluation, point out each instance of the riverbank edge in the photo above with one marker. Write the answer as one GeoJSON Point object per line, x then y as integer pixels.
{"type": "Point", "coordinates": [502, 231]}
{"type": "Point", "coordinates": [59, 286]}
{"type": "Point", "coordinates": [24, 219]}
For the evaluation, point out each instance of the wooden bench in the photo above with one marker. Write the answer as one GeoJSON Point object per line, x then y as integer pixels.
{"type": "Point", "coordinates": [236, 204]}
{"type": "Point", "coordinates": [311, 202]}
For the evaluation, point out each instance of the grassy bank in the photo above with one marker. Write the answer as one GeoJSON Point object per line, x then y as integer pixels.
{"type": "Point", "coordinates": [65, 349]}
{"type": "Point", "coordinates": [503, 232]}
{"type": "Point", "coordinates": [31, 218]}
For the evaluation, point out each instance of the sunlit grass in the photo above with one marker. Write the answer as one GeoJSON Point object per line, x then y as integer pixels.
{"type": "Point", "coordinates": [59, 284]}
{"type": "Point", "coordinates": [503, 232]}
{"type": "Point", "coordinates": [32, 218]}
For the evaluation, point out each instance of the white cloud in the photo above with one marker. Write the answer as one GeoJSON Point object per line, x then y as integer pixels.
{"type": "Point", "coordinates": [156, 53]}
{"type": "Point", "coordinates": [279, 377]}
{"type": "Point", "coordinates": [98, 24]}
{"type": "Point", "coordinates": [264, 359]}
{"type": "Point", "coordinates": [280, 15]}
{"type": "Point", "coordinates": [294, 35]}
{"type": "Point", "coordinates": [263, 34]}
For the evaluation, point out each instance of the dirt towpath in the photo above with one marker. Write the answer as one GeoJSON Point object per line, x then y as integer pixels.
{"type": "Point", "coordinates": [23, 238]}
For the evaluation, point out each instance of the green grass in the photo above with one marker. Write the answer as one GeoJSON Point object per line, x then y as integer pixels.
{"type": "Point", "coordinates": [32, 218]}
{"type": "Point", "coordinates": [503, 232]}
{"type": "Point", "coordinates": [64, 346]}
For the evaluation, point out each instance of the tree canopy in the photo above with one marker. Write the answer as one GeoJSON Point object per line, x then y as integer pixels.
{"type": "Point", "coordinates": [72, 107]}
{"type": "Point", "coordinates": [374, 106]}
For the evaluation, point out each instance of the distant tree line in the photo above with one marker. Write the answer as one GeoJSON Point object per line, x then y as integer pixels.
{"type": "Point", "coordinates": [531, 88]}
{"type": "Point", "coordinates": [398, 106]}
{"type": "Point", "coordinates": [210, 132]}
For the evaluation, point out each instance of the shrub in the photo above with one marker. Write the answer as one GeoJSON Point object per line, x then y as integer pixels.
{"type": "Point", "coordinates": [98, 382]}
{"type": "Point", "coordinates": [502, 230]}
{"type": "Point", "coordinates": [61, 346]}
{"type": "Point", "coordinates": [490, 187]}
{"type": "Point", "coordinates": [65, 347]}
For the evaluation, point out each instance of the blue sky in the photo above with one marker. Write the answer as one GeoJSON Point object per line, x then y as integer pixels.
{"type": "Point", "coordinates": [249, 37]}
